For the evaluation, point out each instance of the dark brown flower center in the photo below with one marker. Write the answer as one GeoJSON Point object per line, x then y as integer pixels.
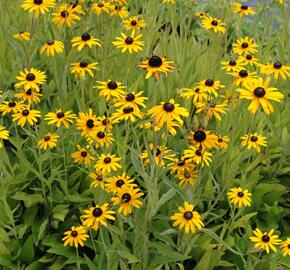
{"type": "Point", "coordinates": [107, 160]}
{"type": "Point", "coordinates": [100, 177]}
{"type": "Point", "coordinates": [90, 123]}
{"type": "Point", "coordinates": [25, 112]}
{"type": "Point", "coordinates": [181, 163]}
{"type": "Point", "coordinates": [112, 85]}
{"type": "Point", "coordinates": [97, 212]}
{"type": "Point", "coordinates": [209, 82]}
{"type": "Point", "coordinates": [265, 238]}
{"type": "Point", "coordinates": [60, 115]}
{"type": "Point", "coordinates": [168, 107]}
{"type": "Point", "coordinates": [101, 135]}
{"type": "Point", "coordinates": [118, 8]}
{"type": "Point", "coordinates": [259, 92]}
{"type": "Point", "coordinates": [74, 233]}
{"type": "Point", "coordinates": [188, 215]}
{"type": "Point", "coordinates": [232, 63]}
{"type": "Point", "coordinates": [28, 92]}
{"type": "Point", "coordinates": [277, 65]}
{"type": "Point", "coordinates": [254, 138]}
{"type": "Point", "coordinates": [30, 77]}
{"type": "Point", "coordinates": [38, 2]}
{"type": "Point", "coordinates": [100, 5]}
{"type": "Point", "coordinates": [120, 183]}
{"type": "Point", "coordinates": [197, 90]}
{"type": "Point", "coordinates": [240, 194]}
{"type": "Point", "coordinates": [47, 138]}
{"type": "Point", "coordinates": [84, 154]}
{"type": "Point", "coordinates": [129, 40]}
{"type": "Point", "coordinates": [11, 104]}
{"type": "Point", "coordinates": [244, 7]}
{"type": "Point", "coordinates": [128, 109]}
{"type": "Point", "coordinates": [86, 37]}
{"type": "Point", "coordinates": [243, 73]}
{"type": "Point", "coordinates": [155, 61]}
{"type": "Point", "coordinates": [249, 57]}
{"type": "Point", "coordinates": [126, 197]}
{"type": "Point", "coordinates": [64, 14]}
{"type": "Point", "coordinates": [214, 22]}
{"type": "Point", "coordinates": [186, 175]}
{"type": "Point", "coordinates": [105, 122]}
{"type": "Point", "coordinates": [245, 45]}
{"type": "Point", "coordinates": [198, 153]}
{"type": "Point", "coordinates": [50, 42]}
{"type": "Point", "coordinates": [130, 97]}
{"type": "Point", "coordinates": [133, 23]}
{"type": "Point", "coordinates": [199, 136]}
{"type": "Point", "coordinates": [220, 140]}
{"type": "Point", "coordinates": [83, 64]}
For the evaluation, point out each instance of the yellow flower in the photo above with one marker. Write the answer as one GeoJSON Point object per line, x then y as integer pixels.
{"type": "Point", "coordinates": [85, 40]}
{"type": "Point", "coordinates": [203, 138]}
{"type": "Point", "coordinates": [80, 69]}
{"type": "Point", "coordinates": [110, 89]}
{"type": "Point", "coordinates": [278, 69]}
{"type": "Point", "coordinates": [222, 142]}
{"type": "Point", "coordinates": [254, 140]}
{"type": "Point", "coordinates": [120, 11]}
{"type": "Point", "coordinates": [77, 236]}
{"type": "Point", "coordinates": [286, 247]}
{"type": "Point", "coordinates": [101, 137]}
{"type": "Point", "coordinates": [52, 47]}
{"type": "Point", "coordinates": [265, 241]}
{"type": "Point", "coordinates": [214, 24]}
{"type": "Point", "coordinates": [48, 141]}
{"type": "Point", "coordinates": [30, 79]}
{"type": "Point", "coordinates": [98, 180]}
{"type": "Point", "coordinates": [249, 59]}
{"type": "Point", "coordinates": [198, 156]}
{"type": "Point", "coordinates": [26, 115]}
{"type": "Point", "coordinates": [245, 46]}
{"type": "Point", "coordinates": [169, 1]}
{"type": "Point", "coordinates": [107, 163]}
{"type": "Point", "coordinates": [129, 43]}
{"type": "Point", "coordinates": [233, 65]}
{"type": "Point", "coordinates": [210, 86]}
{"type": "Point", "coordinates": [155, 65]}
{"type": "Point", "coordinates": [127, 198]}
{"type": "Point", "coordinates": [30, 96]}
{"type": "Point", "coordinates": [64, 16]}
{"type": "Point", "coordinates": [240, 197]}
{"type": "Point", "coordinates": [131, 99]}
{"type": "Point", "coordinates": [59, 117]}
{"type": "Point", "coordinates": [200, 14]}
{"type": "Point", "coordinates": [259, 92]}
{"type": "Point", "coordinates": [134, 24]}
{"type": "Point", "coordinates": [97, 216]}
{"type": "Point", "coordinates": [38, 6]}
{"type": "Point", "coordinates": [114, 184]}
{"type": "Point", "coordinates": [243, 76]}
{"type": "Point", "coordinates": [187, 177]}
{"type": "Point", "coordinates": [4, 135]}
{"type": "Point", "coordinates": [127, 113]}
{"type": "Point", "coordinates": [82, 155]}
{"type": "Point", "coordinates": [86, 122]}
{"type": "Point", "coordinates": [101, 7]}
{"type": "Point", "coordinates": [243, 9]}
{"type": "Point", "coordinates": [187, 219]}
{"type": "Point", "coordinates": [25, 36]}
{"type": "Point", "coordinates": [11, 106]}
{"type": "Point", "coordinates": [179, 165]}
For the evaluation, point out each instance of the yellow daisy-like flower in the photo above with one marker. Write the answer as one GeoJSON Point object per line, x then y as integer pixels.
{"type": "Point", "coordinates": [167, 112]}
{"type": "Point", "coordinates": [169, 1]}
{"type": "Point", "coordinates": [120, 11]}
{"type": "Point", "coordinates": [249, 59]}
{"type": "Point", "coordinates": [127, 198]}
{"type": "Point", "coordinates": [286, 247]}
{"type": "Point", "coordinates": [240, 197]}
{"type": "Point", "coordinates": [243, 76]}
{"type": "Point", "coordinates": [210, 86]}
{"type": "Point", "coordinates": [101, 7]}
{"type": "Point", "coordinates": [105, 123]}
{"type": "Point", "coordinates": [245, 46]}
{"type": "Point", "coordinates": [265, 241]}
{"type": "Point", "coordinates": [85, 40]}
{"type": "Point", "coordinates": [198, 156]}
{"type": "Point", "coordinates": [222, 142]}
{"type": "Point", "coordinates": [129, 43]}
{"type": "Point", "coordinates": [195, 93]}
{"type": "Point", "coordinates": [179, 165]}
{"type": "Point", "coordinates": [127, 113]}
{"type": "Point", "coordinates": [80, 69]}
{"type": "Point", "coordinates": [131, 99]}
{"type": "Point", "coordinates": [30, 96]}
{"type": "Point", "coordinates": [187, 177]}
{"type": "Point", "coordinates": [75, 7]}
{"type": "Point", "coordinates": [11, 106]}
{"type": "Point", "coordinates": [52, 47]}
{"type": "Point", "coordinates": [110, 89]}
{"type": "Point", "coordinates": [22, 35]}
{"type": "Point", "coordinates": [187, 219]}
{"type": "Point", "coordinates": [97, 216]}
{"type": "Point", "coordinates": [200, 14]}
{"type": "Point", "coordinates": [4, 135]}
{"type": "Point", "coordinates": [75, 237]}
{"type": "Point", "coordinates": [277, 69]}
{"type": "Point", "coordinates": [30, 79]}
{"type": "Point", "coordinates": [259, 92]}
{"type": "Point", "coordinates": [48, 141]}
{"type": "Point", "coordinates": [214, 24]}
{"type": "Point", "coordinates": [101, 137]}
{"type": "Point", "coordinates": [82, 155]}
{"type": "Point", "coordinates": [98, 180]}
{"type": "Point", "coordinates": [243, 9]}
{"type": "Point", "coordinates": [134, 24]}
{"type": "Point", "coordinates": [254, 140]}
{"type": "Point", "coordinates": [114, 184]}
{"type": "Point", "coordinates": [86, 122]}
{"type": "Point", "coordinates": [26, 115]}
{"type": "Point", "coordinates": [155, 65]}
{"type": "Point", "coordinates": [211, 108]}
{"type": "Point", "coordinates": [162, 155]}
{"type": "Point", "coordinates": [203, 138]}
{"type": "Point", "coordinates": [65, 16]}
{"type": "Point", "coordinates": [233, 65]}
{"type": "Point", "coordinates": [107, 163]}
{"type": "Point", "coordinates": [38, 6]}
{"type": "Point", "coordinates": [59, 118]}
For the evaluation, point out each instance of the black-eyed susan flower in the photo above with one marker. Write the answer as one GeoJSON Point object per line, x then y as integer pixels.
{"type": "Point", "coordinates": [26, 115]}
{"type": "Point", "coordinates": [214, 24]}
{"type": "Point", "coordinates": [285, 246]}
{"type": "Point", "coordinates": [11, 106]}
{"type": "Point", "coordinates": [97, 180]}
{"type": "Point", "coordinates": [161, 154]}
{"type": "Point", "coordinates": [82, 155]}
{"type": "Point", "coordinates": [80, 69]}
{"type": "Point", "coordinates": [97, 216]}
{"type": "Point", "coordinates": [75, 7]}
{"type": "Point", "coordinates": [52, 47]}
{"type": "Point", "coordinates": [127, 113]}
{"type": "Point", "coordinates": [101, 137]}
{"type": "Point", "coordinates": [156, 65]}
{"type": "Point", "coordinates": [198, 155]}
{"type": "Point", "coordinates": [203, 138]}
{"type": "Point", "coordinates": [118, 10]}
{"type": "Point", "coordinates": [211, 108]}
{"type": "Point", "coordinates": [22, 35]}
{"type": "Point", "coordinates": [167, 112]}
{"type": "Point", "coordinates": [254, 140]}
{"type": "Point", "coordinates": [30, 96]}
{"type": "Point", "coordinates": [107, 163]}
{"type": "Point", "coordinates": [195, 93]}
{"type": "Point", "coordinates": [210, 86]}
{"type": "Point", "coordinates": [113, 184]}
{"type": "Point", "coordinates": [245, 46]}
{"type": "Point", "coordinates": [48, 141]}
{"type": "Point", "coordinates": [75, 237]}
{"type": "Point", "coordinates": [278, 69]}
{"type": "Point", "coordinates": [105, 122]}
{"type": "Point", "coordinates": [60, 117]}
{"type": "Point", "coordinates": [101, 7]}
{"type": "Point", "coordinates": [134, 24]}
{"type": "Point", "coordinates": [127, 198]}
{"type": "Point", "coordinates": [85, 40]}
{"type": "Point", "coordinates": [240, 197]}
{"type": "Point", "coordinates": [259, 92]}
{"type": "Point", "coordinates": [110, 89]}
{"type": "Point", "coordinates": [249, 59]}
{"type": "Point", "coordinates": [200, 14]}
{"type": "Point", "coordinates": [243, 76]}
{"type": "Point", "coordinates": [38, 6]}
{"type": "Point", "coordinates": [86, 122]}
{"type": "Point", "coordinates": [232, 65]}
{"type": "Point", "coordinates": [187, 177]}
{"type": "Point", "coordinates": [179, 165]}
{"type": "Point", "coordinates": [244, 10]}
{"type": "Point", "coordinates": [4, 135]}
{"type": "Point", "coordinates": [30, 79]}
{"type": "Point", "coordinates": [65, 16]}
{"type": "Point", "coordinates": [222, 142]}
{"type": "Point", "coordinates": [187, 219]}
{"type": "Point", "coordinates": [265, 241]}
{"type": "Point", "coordinates": [131, 99]}
{"type": "Point", "coordinates": [130, 43]}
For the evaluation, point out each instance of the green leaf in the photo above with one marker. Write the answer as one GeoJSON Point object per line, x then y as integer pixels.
{"type": "Point", "coordinates": [126, 255]}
